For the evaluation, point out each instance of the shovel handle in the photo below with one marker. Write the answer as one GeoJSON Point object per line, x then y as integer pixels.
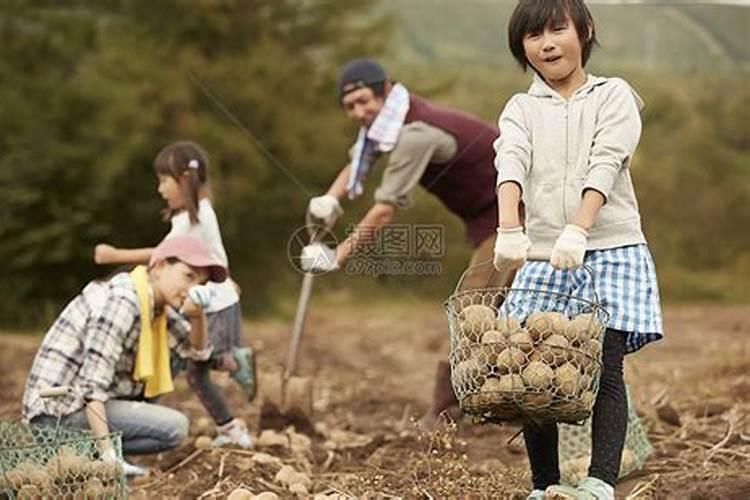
{"type": "Point", "coordinates": [316, 232]}
{"type": "Point", "coordinates": [299, 324]}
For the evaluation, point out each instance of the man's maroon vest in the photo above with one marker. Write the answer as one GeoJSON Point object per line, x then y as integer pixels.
{"type": "Point", "coordinates": [466, 184]}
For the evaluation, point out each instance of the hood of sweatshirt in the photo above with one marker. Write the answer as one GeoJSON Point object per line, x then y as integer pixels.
{"type": "Point", "coordinates": [540, 88]}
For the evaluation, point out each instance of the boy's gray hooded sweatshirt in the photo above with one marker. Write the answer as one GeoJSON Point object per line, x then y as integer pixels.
{"type": "Point", "coordinates": [555, 148]}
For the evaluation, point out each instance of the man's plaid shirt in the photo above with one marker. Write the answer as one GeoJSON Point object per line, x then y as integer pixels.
{"type": "Point", "coordinates": [92, 346]}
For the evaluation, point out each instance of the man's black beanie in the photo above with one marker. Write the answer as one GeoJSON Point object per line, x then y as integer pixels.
{"type": "Point", "coordinates": [360, 73]}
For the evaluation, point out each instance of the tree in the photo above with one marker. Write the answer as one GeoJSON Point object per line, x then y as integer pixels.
{"type": "Point", "coordinates": [92, 91]}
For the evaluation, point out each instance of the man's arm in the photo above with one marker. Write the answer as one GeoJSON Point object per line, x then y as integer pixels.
{"type": "Point", "coordinates": [338, 188]}
{"type": "Point", "coordinates": [378, 216]}
{"type": "Point", "coordinates": [418, 145]}
{"type": "Point", "coordinates": [326, 209]}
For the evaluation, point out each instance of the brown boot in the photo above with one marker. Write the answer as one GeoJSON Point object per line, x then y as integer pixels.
{"type": "Point", "coordinates": [443, 398]}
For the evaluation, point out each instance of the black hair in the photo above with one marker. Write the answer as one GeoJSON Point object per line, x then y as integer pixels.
{"type": "Point", "coordinates": [187, 163]}
{"type": "Point", "coordinates": [532, 16]}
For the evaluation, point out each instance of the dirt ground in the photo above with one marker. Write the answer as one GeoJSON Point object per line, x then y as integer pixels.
{"type": "Point", "coordinates": [373, 371]}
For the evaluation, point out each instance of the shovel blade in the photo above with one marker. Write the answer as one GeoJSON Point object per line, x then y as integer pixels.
{"type": "Point", "coordinates": [287, 403]}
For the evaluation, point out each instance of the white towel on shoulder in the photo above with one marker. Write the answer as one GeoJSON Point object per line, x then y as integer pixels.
{"type": "Point", "coordinates": [381, 137]}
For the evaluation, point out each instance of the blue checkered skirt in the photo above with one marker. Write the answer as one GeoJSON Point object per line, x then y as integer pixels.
{"type": "Point", "coordinates": [624, 279]}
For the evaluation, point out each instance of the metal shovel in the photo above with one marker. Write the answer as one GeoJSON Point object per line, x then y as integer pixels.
{"type": "Point", "coordinates": [288, 399]}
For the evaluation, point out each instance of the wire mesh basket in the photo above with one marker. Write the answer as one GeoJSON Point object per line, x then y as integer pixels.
{"type": "Point", "coordinates": [539, 362]}
{"type": "Point", "coordinates": [575, 448]}
{"type": "Point", "coordinates": [56, 462]}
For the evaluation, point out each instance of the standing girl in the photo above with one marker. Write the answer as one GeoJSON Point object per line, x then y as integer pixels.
{"type": "Point", "coordinates": [182, 172]}
{"type": "Point", "coordinates": [564, 150]}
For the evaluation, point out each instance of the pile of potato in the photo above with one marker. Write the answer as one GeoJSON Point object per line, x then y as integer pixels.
{"type": "Point", "coordinates": [65, 475]}
{"type": "Point", "coordinates": [548, 364]}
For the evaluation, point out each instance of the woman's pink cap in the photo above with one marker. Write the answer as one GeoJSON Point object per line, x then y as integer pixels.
{"type": "Point", "coordinates": [191, 251]}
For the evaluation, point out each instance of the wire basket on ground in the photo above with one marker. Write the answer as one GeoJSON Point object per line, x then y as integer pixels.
{"type": "Point", "coordinates": [56, 462]}
{"type": "Point", "coordinates": [538, 360]}
{"type": "Point", "coordinates": [575, 448]}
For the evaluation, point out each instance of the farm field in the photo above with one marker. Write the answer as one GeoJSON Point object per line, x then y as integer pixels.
{"type": "Point", "coordinates": [373, 370]}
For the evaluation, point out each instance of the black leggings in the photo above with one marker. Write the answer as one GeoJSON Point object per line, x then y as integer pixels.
{"type": "Point", "coordinates": [609, 424]}
{"type": "Point", "coordinates": [213, 400]}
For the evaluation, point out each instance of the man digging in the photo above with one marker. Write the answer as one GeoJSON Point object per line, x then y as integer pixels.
{"type": "Point", "coordinates": [447, 151]}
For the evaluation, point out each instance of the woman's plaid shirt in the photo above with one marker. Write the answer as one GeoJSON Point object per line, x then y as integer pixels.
{"type": "Point", "coordinates": [92, 346]}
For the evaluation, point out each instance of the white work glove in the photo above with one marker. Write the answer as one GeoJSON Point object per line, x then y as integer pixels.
{"type": "Point", "coordinates": [569, 248]}
{"type": "Point", "coordinates": [201, 295]}
{"type": "Point", "coordinates": [325, 209]}
{"type": "Point", "coordinates": [511, 249]}
{"type": "Point", "coordinates": [199, 298]}
{"type": "Point", "coordinates": [109, 456]}
{"type": "Point", "coordinates": [318, 258]}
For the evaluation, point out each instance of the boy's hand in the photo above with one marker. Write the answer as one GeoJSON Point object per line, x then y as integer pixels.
{"type": "Point", "coordinates": [199, 297]}
{"type": "Point", "coordinates": [511, 249]}
{"type": "Point", "coordinates": [104, 254]}
{"type": "Point", "coordinates": [569, 248]}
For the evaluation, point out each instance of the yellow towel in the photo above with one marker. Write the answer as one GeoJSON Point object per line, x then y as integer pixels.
{"type": "Point", "coordinates": [152, 359]}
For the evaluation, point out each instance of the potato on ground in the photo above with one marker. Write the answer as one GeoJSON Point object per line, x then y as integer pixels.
{"type": "Point", "coordinates": [627, 463]}
{"type": "Point", "coordinates": [266, 495]}
{"type": "Point", "coordinates": [203, 426]}
{"type": "Point", "coordinates": [240, 494]}
{"type": "Point", "coordinates": [203, 442]}
{"type": "Point", "coordinates": [299, 489]}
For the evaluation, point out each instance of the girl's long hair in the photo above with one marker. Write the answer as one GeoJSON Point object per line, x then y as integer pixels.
{"type": "Point", "coordinates": [187, 163]}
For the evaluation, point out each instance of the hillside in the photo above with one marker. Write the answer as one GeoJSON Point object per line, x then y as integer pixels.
{"type": "Point", "coordinates": [664, 36]}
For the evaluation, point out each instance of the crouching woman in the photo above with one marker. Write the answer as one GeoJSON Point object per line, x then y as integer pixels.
{"type": "Point", "coordinates": [109, 350]}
